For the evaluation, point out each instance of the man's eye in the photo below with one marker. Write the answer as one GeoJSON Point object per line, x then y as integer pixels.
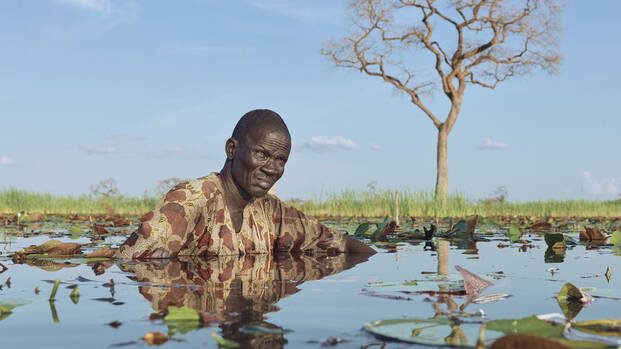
{"type": "Point", "coordinates": [261, 155]}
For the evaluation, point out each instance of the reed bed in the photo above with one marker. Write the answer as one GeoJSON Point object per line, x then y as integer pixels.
{"type": "Point", "coordinates": [347, 203]}
{"type": "Point", "coordinates": [15, 200]}
{"type": "Point", "coordinates": [350, 203]}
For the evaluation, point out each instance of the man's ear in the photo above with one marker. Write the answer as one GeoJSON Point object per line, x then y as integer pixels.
{"type": "Point", "coordinates": [231, 148]}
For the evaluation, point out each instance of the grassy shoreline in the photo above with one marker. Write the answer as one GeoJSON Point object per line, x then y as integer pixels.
{"type": "Point", "coordinates": [347, 203]}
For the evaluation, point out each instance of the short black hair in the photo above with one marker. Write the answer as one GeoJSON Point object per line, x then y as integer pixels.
{"type": "Point", "coordinates": [257, 117]}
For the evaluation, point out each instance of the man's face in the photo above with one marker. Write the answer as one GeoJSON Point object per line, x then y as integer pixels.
{"type": "Point", "coordinates": [259, 161]}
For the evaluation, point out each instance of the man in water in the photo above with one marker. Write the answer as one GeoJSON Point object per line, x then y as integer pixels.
{"type": "Point", "coordinates": [231, 212]}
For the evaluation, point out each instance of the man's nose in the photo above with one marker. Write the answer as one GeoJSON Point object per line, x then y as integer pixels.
{"type": "Point", "coordinates": [270, 167]}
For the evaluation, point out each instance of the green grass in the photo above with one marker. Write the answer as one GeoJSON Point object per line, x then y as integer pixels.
{"type": "Point", "coordinates": [422, 204]}
{"type": "Point", "coordinates": [15, 200]}
{"type": "Point", "coordinates": [347, 203]}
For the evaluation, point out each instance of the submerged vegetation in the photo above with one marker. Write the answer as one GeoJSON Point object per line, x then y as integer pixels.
{"type": "Point", "coordinates": [347, 203]}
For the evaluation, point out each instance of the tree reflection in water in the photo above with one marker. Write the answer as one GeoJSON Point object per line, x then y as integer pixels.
{"type": "Point", "coordinates": [236, 290]}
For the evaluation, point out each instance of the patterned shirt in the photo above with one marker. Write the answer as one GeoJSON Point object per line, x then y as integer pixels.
{"type": "Point", "coordinates": [230, 287]}
{"type": "Point", "coordinates": [193, 220]}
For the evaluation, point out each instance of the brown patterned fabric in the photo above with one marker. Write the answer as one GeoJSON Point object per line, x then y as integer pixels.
{"type": "Point", "coordinates": [193, 220]}
{"type": "Point", "coordinates": [231, 287]}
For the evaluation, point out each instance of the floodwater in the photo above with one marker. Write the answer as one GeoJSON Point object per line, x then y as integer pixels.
{"type": "Point", "coordinates": [295, 302]}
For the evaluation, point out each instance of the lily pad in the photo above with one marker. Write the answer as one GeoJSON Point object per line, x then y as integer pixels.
{"type": "Point", "coordinates": [615, 239]}
{"type": "Point", "coordinates": [514, 233]}
{"type": "Point", "coordinates": [259, 330]}
{"type": "Point", "coordinates": [76, 231]}
{"type": "Point", "coordinates": [553, 238]}
{"type": "Point", "coordinates": [439, 331]}
{"type": "Point", "coordinates": [182, 320]}
{"type": "Point", "coordinates": [378, 231]}
{"type": "Point", "coordinates": [528, 325]}
{"type": "Point", "coordinates": [362, 228]}
{"type": "Point", "coordinates": [535, 326]}
{"type": "Point", "coordinates": [444, 284]}
{"type": "Point", "coordinates": [604, 327]}
{"type": "Point", "coordinates": [464, 229]}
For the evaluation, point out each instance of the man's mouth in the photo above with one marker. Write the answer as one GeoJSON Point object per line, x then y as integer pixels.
{"type": "Point", "coordinates": [264, 183]}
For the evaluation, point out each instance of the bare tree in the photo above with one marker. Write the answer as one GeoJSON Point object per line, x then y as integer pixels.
{"type": "Point", "coordinates": [466, 42]}
{"type": "Point", "coordinates": [106, 187]}
{"type": "Point", "coordinates": [165, 185]}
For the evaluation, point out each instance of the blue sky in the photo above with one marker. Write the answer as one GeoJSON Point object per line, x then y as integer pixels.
{"type": "Point", "coordinates": [145, 90]}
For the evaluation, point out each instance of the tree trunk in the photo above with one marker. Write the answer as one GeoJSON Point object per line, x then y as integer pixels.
{"type": "Point", "coordinates": [442, 164]}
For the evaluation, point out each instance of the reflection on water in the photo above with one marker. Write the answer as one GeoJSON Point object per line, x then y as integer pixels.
{"type": "Point", "coordinates": [236, 290]}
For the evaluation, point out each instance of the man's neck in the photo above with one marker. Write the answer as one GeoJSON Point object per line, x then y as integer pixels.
{"type": "Point", "coordinates": [235, 201]}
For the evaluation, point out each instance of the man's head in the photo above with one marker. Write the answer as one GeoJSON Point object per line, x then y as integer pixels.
{"type": "Point", "coordinates": [258, 151]}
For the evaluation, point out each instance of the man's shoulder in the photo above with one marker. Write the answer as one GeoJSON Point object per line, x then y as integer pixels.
{"type": "Point", "coordinates": [207, 186]}
{"type": "Point", "coordinates": [273, 204]}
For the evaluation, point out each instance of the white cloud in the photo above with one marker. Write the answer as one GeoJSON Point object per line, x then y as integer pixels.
{"type": "Point", "coordinates": [374, 146]}
{"type": "Point", "coordinates": [122, 138]}
{"type": "Point", "coordinates": [299, 10]}
{"type": "Point", "coordinates": [598, 186]}
{"type": "Point", "coordinates": [321, 143]}
{"type": "Point", "coordinates": [115, 12]}
{"type": "Point", "coordinates": [489, 144]}
{"type": "Point", "coordinates": [200, 50]}
{"type": "Point", "coordinates": [91, 149]}
{"type": "Point", "coordinates": [100, 6]}
{"type": "Point", "coordinates": [174, 149]}
{"type": "Point", "coordinates": [6, 161]}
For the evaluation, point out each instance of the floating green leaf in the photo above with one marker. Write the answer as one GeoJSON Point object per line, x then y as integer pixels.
{"type": "Point", "coordinates": [362, 228]}
{"type": "Point", "coordinates": [528, 325]}
{"type": "Point", "coordinates": [182, 320]}
{"type": "Point", "coordinates": [447, 284]}
{"type": "Point", "coordinates": [75, 296]}
{"type": "Point", "coordinates": [553, 238]}
{"type": "Point", "coordinates": [259, 330]}
{"type": "Point", "coordinates": [182, 314]}
{"type": "Point", "coordinates": [459, 231]}
{"type": "Point", "coordinates": [615, 239]}
{"type": "Point", "coordinates": [378, 232]}
{"type": "Point", "coordinates": [569, 292]}
{"type": "Point", "coordinates": [76, 231]}
{"type": "Point", "coordinates": [226, 343]}
{"type": "Point", "coordinates": [538, 327]}
{"type": "Point", "coordinates": [604, 327]}
{"type": "Point", "coordinates": [439, 331]}
{"type": "Point", "coordinates": [514, 233]}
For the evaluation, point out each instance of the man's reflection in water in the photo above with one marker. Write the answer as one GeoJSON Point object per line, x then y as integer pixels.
{"type": "Point", "coordinates": [237, 290]}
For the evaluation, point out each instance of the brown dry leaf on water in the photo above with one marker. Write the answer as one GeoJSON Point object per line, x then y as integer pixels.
{"type": "Point", "coordinates": [53, 248]}
{"type": "Point", "coordinates": [472, 224]}
{"type": "Point", "coordinates": [388, 229]}
{"type": "Point", "coordinates": [118, 221]}
{"type": "Point", "coordinates": [155, 338]}
{"type": "Point", "coordinates": [99, 230]}
{"type": "Point", "coordinates": [540, 226]}
{"type": "Point", "coordinates": [608, 274]}
{"type": "Point", "coordinates": [101, 253]}
{"type": "Point", "coordinates": [592, 234]}
{"type": "Point", "coordinates": [472, 282]}
{"type": "Point", "coordinates": [526, 341]}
